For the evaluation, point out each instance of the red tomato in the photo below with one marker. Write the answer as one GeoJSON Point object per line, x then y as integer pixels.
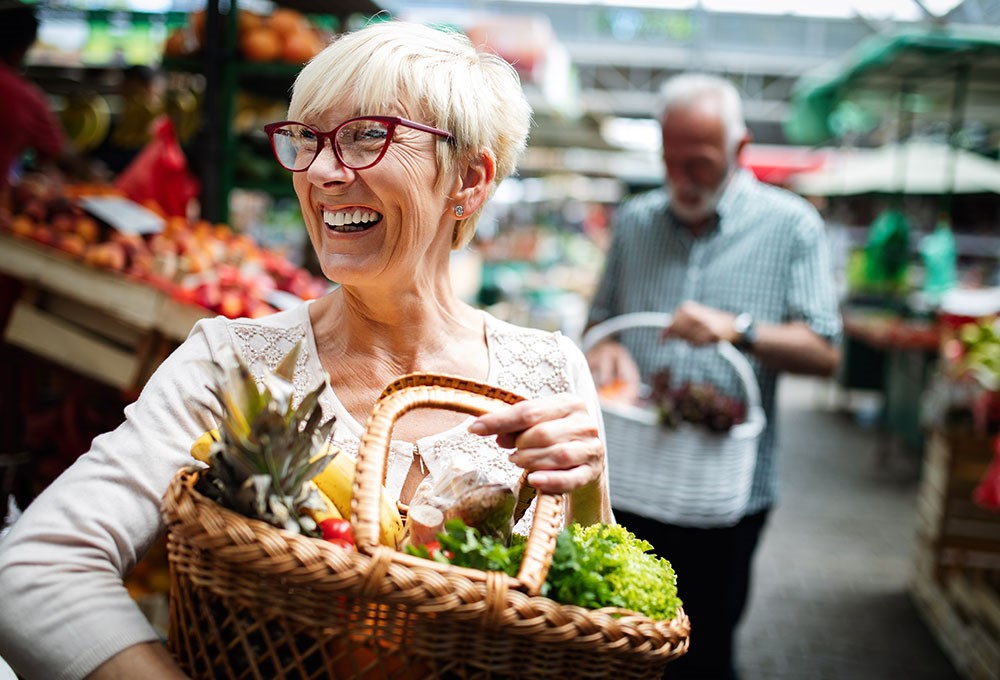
{"type": "Point", "coordinates": [337, 529]}
{"type": "Point", "coordinates": [433, 548]}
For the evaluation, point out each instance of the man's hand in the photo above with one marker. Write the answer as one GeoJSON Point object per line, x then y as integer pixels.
{"type": "Point", "coordinates": [790, 346]}
{"type": "Point", "coordinates": [615, 371]}
{"type": "Point", "coordinates": [701, 325]}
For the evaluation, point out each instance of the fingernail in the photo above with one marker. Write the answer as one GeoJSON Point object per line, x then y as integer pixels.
{"type": "Point", "coordinates": [477, 428]}
{"type": "Point", "coordinates": [538, 479]}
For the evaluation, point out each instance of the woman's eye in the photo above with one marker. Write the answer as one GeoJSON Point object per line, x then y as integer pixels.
{"type": "Point", "coordinates": [373, 133]}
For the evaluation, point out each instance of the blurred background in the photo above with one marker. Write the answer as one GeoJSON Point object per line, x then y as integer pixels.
{"type": "Point", "coordinates": [884, 113]}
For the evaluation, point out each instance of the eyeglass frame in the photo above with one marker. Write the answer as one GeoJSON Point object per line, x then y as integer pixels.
{"type": "Point", "coordinates": [391, 121]}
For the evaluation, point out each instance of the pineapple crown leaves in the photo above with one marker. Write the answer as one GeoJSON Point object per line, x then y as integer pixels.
{"type": "Point", "coordinates": [264, 437]}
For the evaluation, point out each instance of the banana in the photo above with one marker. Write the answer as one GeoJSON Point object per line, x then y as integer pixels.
{"type": "Point", "coordinates": [203, 445]}
{"type": "Point", "coordinates": [336, 480]}
{"type": "Point", "coordinates": [331, 512]}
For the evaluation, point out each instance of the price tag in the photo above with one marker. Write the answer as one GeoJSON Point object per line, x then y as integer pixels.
{"type": "Point", "coordinates": [123, 214]}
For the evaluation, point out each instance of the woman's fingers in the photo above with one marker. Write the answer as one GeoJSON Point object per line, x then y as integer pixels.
{"type": "Point", "coordinates": [527, 414]}
{"type": "Point", "coordinates": [562, 467]}
{"type": "Point", "coordinates": [554, 438]}
{"type": "Point", "coordinates": [561, 481]}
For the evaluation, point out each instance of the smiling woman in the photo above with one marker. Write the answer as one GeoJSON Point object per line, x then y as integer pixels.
{"type": "Point", "coordinates": [396, 137]}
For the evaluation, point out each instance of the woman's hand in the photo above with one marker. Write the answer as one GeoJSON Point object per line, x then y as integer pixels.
{"type": "Point", "coordinates": [555, 439]}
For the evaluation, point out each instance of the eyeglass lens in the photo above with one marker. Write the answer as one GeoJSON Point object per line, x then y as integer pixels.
{"type": "Point", "coordinates": [359, 143]}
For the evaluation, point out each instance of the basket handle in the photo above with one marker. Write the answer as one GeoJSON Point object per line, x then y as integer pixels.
{"type": "Point", "coordinates": [748, 380]}
{"type": "Point", "coordinates": [425, 390]}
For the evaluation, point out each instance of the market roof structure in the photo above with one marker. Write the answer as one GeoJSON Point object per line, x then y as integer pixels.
{"type": "Point", "coordinates": [947, 72]}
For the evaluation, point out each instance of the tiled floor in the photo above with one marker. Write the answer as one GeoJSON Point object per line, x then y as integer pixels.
{"type": "Point", "coordinates": [830, 599]}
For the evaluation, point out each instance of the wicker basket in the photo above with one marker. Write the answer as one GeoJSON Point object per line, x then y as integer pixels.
{"type": "Point", "coordinates": [249, 600]}
{"type": "Point", "coordinates": [687, 475]}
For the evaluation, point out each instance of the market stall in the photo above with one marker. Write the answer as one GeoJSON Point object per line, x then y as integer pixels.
{"type": "Point", "coordinates": [956, 575]}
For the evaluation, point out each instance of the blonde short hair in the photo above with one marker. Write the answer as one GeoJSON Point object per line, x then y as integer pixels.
{"type": "Point", "coordinates": [437, 75]}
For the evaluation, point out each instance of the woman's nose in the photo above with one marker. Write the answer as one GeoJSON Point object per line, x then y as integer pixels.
{"type": "Point", "coordinates": [326, 167]}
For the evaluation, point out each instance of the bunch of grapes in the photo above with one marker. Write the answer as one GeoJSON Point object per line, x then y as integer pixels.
{"type": "Point", "coordinates": [697, 403]}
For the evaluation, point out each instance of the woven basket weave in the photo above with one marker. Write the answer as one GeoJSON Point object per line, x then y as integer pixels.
{"type": "Point", "coordinates": [249, 600]}
{"type": "Point", "coordinates": [686, 475]}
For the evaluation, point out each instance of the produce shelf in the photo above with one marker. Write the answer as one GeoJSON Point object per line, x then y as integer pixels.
{"type": "Point", "coordinates": [95, 322]}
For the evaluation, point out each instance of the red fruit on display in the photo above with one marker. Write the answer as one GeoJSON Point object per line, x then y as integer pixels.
{"type": "Point", "coordinates": [72, 244]}
{"type": "Point", "coordinates": [231, 304]}
{"type": "Point", "coordinates": [207, 294]}
{"type": "Point", "coordinates": [44, 234]}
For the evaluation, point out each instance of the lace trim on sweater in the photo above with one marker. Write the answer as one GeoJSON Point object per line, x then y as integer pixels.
{"type": "Point", "coordinates": [528, 362]}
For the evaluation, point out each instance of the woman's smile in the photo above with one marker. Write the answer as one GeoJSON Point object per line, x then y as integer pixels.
{"type": "Point", "coordinates": [350, 220]}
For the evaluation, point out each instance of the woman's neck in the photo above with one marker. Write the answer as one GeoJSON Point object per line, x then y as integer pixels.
{"type": "Point", "coordinates": [404, 333]}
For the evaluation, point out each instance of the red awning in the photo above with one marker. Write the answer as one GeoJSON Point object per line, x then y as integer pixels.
{"type": "Point", "coordinates": [775, 164]}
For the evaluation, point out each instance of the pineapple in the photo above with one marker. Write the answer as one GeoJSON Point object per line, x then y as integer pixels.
{"type": "Point", "coordinates": [268, 450]}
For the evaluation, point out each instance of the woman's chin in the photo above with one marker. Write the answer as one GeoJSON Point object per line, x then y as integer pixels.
{"type": "Point", "coordinates": [347, 269]}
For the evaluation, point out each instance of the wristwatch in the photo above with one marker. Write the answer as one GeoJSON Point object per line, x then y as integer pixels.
{"type": "Point", "coordinates": [746, 331]}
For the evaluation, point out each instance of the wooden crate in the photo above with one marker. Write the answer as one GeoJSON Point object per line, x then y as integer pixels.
{"type": "Point", "coordinates": [958, 532]}
{"type": "Point", "coordinates": [956, 575]}
{"type": "Point", "coordinates": [64, 341]}
{"type": "Point", "coordinates": [97, 323]}
{"type": "Point", "coordinates": [962, 609]}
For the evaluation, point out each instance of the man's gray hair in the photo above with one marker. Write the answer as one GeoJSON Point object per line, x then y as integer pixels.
{"type": "Point", "coordinates": [689, 89]}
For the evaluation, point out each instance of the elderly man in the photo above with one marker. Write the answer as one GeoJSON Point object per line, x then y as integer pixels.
{"type": "Point", "coordinates": [731, 259]}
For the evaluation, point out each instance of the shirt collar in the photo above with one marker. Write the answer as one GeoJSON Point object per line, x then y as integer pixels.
{"type": "Point", "coordinates": [731, 197]}
{"type": "Point", "coordinates": [730, 200]}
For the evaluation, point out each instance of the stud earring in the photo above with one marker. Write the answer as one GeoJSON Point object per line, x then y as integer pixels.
{"type": "Point", "coordinates": [459, 211]}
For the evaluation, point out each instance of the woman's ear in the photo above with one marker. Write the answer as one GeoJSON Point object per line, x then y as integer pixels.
{"type": "Point", "coordinates": [475, 181]}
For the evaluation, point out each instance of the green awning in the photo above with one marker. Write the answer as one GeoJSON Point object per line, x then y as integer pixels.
{"type": "Point", "coordinates": [863, 87]}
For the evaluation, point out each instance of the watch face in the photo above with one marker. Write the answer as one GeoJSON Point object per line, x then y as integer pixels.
{"type": "Point", "coordinates": [743, 325]}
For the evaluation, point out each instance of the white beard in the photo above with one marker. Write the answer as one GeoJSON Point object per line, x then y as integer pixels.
{"type": "Point", "coordinates": [707, 200]}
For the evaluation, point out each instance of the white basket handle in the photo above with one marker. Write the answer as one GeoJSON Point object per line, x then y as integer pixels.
{"type": "Point", "coordinates": [755, 420]}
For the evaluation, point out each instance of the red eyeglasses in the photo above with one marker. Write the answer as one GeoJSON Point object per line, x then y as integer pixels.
{"type": "Point", "coordinates": [358, 143]}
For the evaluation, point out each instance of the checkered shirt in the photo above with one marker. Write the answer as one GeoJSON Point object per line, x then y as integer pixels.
{"type": "Point", "coordinates": [766, 255]}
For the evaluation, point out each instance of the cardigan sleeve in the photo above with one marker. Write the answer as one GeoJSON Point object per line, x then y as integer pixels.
{"type": "Point", "coordinates": [65, 608]}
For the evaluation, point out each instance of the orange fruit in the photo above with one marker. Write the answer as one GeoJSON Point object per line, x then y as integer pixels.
{"type": "Point", "coordinates": [285, 22]}
{"type": "Point", "coordinates": [300, 47]}
{"type": "Point", "coordinates": [248, 21]}
{"type": "Point", "coordinates": [261, 44]}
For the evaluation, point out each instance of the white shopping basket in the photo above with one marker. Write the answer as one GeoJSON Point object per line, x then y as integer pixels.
{"type": "Point", "coordinates": [687, 475]}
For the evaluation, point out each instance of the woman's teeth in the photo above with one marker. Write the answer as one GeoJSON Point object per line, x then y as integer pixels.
{"type": "Point", "coordinates": [350, 220]}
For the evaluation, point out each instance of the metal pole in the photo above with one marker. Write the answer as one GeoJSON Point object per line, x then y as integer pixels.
{"type": "Point", "coordinates": [958, 99]}
{"type": "Point", "coordinates": [211, 132]}
{"type": "Point", "coordinates": [903, 131]}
